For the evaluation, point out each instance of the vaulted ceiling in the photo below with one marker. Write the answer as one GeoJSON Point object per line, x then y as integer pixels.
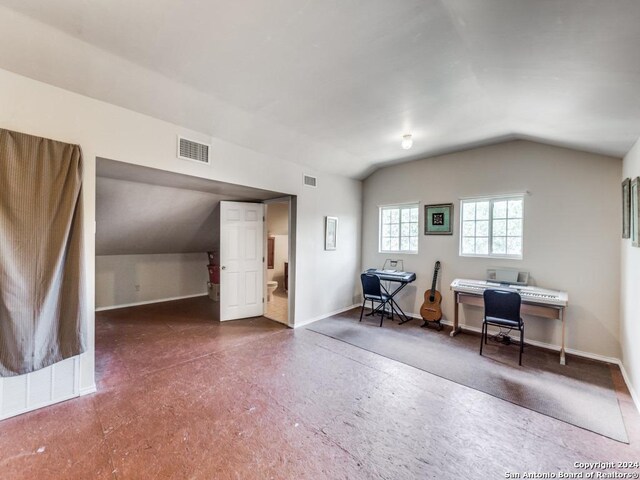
{"type": "Point", "coordinates": [336, 84]}
{"type": "Point", "coordinates": [142, 210]}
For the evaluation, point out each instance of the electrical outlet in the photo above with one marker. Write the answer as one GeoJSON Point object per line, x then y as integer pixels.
{"type": "Point", "coordinates": [137, 288]}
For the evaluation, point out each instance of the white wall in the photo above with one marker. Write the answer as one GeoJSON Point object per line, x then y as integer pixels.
{"type": "Point", "coordinates": [630, 288]}
{"type": "Point", "coordinates": [108, 131]}
{"type": "Point", "coordinates": [571, 231]}
{"type": "Point", "coordinates": [139, 218]}
{"type": "Point", "coordinates": [129, 279]}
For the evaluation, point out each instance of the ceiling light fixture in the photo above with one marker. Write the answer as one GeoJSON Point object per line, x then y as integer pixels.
{"type": "Point", "coordinates": [407, 141]}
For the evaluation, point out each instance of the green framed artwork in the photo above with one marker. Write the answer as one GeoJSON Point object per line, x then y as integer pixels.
{"type": "Point", "coordinates": [438, 219]}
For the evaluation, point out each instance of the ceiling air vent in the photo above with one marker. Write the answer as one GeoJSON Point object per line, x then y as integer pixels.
{"type": "Point", "coordinates": [190, 150]}
{"type": "Point", "coordinates": [310, 181]}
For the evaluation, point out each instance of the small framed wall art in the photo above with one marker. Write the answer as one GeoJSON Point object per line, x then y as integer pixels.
{"type": "Point", "coordinates": [330, 233]}
{"type": "Point", "coordinates": [626, 208]}
{"type": "Point", "coordinates": [438, 219]}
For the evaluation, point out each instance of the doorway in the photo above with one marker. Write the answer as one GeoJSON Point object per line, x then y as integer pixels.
{"type": "Point", "coordinates": [154, 231]}
{"type": "Point", "coordinates": [278, 260]}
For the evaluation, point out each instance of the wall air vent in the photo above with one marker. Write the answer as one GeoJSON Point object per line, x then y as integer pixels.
{"type": "Point", "coordinates": [310, 181]}
{"type": "Point", "coordinates": [190, 150]}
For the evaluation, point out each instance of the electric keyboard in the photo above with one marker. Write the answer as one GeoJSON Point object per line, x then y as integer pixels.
{"type": "Point", "coordinates": [528, 294]}
{"type": "Point", "coordinates": [392, 275]}
{"type": "Point", "coordinates": [402, 279]}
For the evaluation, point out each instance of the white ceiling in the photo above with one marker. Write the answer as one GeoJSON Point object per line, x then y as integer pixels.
{"type": "Point", "coordinates": [142, 210]}
{"type": "Point", "coordinates": [336, 84]}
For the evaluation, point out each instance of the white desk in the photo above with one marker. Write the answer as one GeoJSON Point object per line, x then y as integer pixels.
{"type": "Point", "coordinates": [538, 302]}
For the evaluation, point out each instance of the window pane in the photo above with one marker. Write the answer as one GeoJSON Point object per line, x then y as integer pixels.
{"type": "Point", "coordinates": [469, 211]}
{"type": "Point", "coordinates": [515, 208]}
{"type": "Point", "coordinates": [499, 245]}
{"type": "Point", "coordinates": [482, 246]}
{"type": "Point", "coordinates": [397, 229]}
{"type": "Point", "coordinates": [499, 228]}
{"type": "Point", "coordinates": [468, 245]}
{"type": "Point", "coordinates": [492, 226]}
{"type": "Point", "coordinates": [482, 229]}
{"type": "Point", "coordinates": [500, 209]}
{"type": "Point", "coordinates": [468, 229]}
{"type": "Point", "coordinates": [514, 228]}
{"type": "Point", "coordinates": [514, 246]}
{"type": "Point", "coordinates": [482, 211]}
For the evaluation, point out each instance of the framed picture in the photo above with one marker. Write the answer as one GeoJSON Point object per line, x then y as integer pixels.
{"type": "Point", "coordinates": [634, 223]}
{"type": "Point", "coordinates": [626, 208]}
{"type": "Point", "coordinates": [330, 233]}
{"type": "Point", "coordinates": [438, 219]}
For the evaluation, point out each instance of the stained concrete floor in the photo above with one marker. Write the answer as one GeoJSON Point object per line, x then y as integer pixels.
{"type": "Point", "coordinates": [180, 396]}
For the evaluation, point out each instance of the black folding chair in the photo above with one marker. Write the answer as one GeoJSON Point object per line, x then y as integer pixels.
{"type": "Point", "coordinates": [373, 290]}
{"type": "Point", "coordinates": [502, 309]}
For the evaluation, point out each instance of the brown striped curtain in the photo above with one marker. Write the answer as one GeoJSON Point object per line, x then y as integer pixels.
{"type": "Point", "coordinates": [42, 297]}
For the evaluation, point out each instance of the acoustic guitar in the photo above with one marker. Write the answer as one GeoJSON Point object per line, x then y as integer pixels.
{"type": "Point", "coordinates": [430, 310]}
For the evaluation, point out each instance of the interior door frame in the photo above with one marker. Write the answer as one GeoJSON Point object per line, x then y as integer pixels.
{"type": "Point", "coordinates": [291, 200]}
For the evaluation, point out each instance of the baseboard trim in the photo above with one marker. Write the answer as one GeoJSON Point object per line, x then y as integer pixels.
{"type": "Point", "coordinates": [38, 406]}
{"type": "Point", "coordinates": [579, 353]}
{"type": "Point", "coordinates": [551, 346]}
{"type": "Point", "coordinates": [147, 302]}
{"type": "Point", "coordinates": [88, 390]}
{"type": "Point", "coordinates": [326, 315]}
{"type": "Point", "coordinates": [627, 381]}
{"type": "Point", "coordinates": [536, 343]}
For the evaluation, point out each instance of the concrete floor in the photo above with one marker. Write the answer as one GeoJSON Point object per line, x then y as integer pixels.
{"type": "Point", "coordinates": [180, 396]}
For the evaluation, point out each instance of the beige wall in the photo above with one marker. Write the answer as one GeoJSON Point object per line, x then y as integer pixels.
{"type": "Point", "coordinates": [130, 279]}
{"type": "Point", "coordinates": [278, 218]}
{"type": "Point", "coordinates": [278, 227]}
{"type": "Point", "coordinates": [571, 231]}
{"type": "Point", "coordinates": [281, 255]}
{"type": "Point", "coordinates": [630, 291]}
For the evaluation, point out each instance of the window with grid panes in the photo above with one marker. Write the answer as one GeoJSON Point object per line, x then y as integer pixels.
{"type": "Point", "coordinates": [492, 227]}
{"type": "Point", "coordinates": [399, 229]}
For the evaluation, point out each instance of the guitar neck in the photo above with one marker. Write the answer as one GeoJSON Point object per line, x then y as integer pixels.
{"type": "Point", "coordinates": [433, 283]}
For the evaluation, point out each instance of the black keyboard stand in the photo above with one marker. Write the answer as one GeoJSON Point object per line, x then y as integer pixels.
{"type": "Point", "coordinates": [394, 305]}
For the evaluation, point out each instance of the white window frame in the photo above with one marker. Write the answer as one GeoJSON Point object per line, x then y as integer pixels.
{"type": "Point", "coordinates": [398, 205]}
{"type": "Point", "coordinates": [492, 200]}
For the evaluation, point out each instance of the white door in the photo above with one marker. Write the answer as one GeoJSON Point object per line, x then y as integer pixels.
{"type": "Point", "coordinates": [241, 260]}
